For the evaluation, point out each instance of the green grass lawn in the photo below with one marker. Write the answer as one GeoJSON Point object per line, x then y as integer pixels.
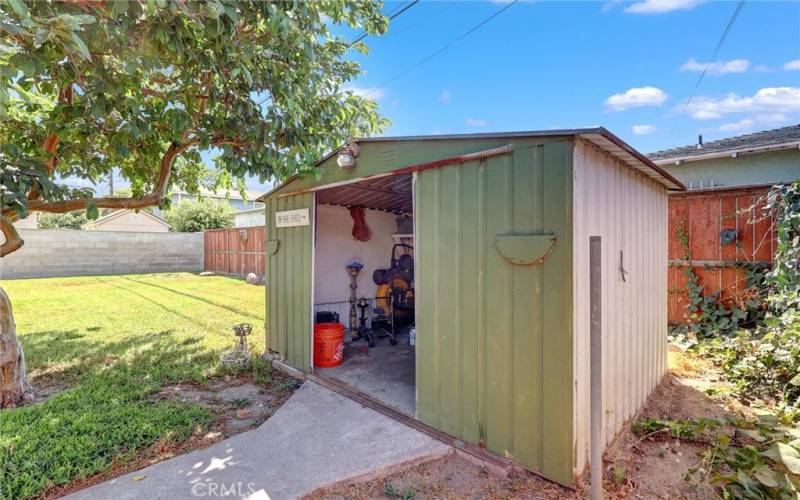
{"type": "Point", "coordinates": [113, 342]}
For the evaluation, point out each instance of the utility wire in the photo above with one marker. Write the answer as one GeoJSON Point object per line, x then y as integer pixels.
{"type": "Point", "coordinates": [716, 52]}
{"type": "Point", "coordinates": [402, 8]}
{"type": "Point", "coordinates": [446, 46]}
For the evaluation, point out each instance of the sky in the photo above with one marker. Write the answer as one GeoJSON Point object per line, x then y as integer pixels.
{"type": "Point", "coordinates": [627, 66]}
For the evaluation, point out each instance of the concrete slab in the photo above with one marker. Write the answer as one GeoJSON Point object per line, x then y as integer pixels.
{"type": "Point", "coordinates": [385, 372]}
{"type": "Point", "coordinates": [317, 438]}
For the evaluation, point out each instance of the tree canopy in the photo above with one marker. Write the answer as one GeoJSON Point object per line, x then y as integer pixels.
{"type": "Point", "coordinates": [144, 87]}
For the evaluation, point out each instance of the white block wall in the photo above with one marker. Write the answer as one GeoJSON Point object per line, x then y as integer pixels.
{"type": "Point", "coordinates": [55, 252]}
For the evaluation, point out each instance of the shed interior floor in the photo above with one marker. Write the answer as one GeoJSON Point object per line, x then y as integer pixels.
{"type": "Point", "coordinates": [384, 372]}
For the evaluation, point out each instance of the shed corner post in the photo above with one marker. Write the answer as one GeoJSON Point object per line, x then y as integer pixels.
{"type": "Point", "coordinates": [596, 371]}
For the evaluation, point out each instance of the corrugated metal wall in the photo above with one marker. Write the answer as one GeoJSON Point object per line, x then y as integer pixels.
{"type": "Point", "coordinates": [289, 282]}
{"type": "Point", "coordinates": [629, 212]}
{"type": "Point", "coordinates": [699, 217]}
{"type": "Point", "coordinates": [494, 342]}
{"type": "Point", "coordinates": [236, 251]}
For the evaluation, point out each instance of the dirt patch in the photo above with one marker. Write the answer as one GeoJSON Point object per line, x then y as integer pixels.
{"type": "Point", "coordinates": [633, 467]}
{"type": "Point", "coordinates": [239, 404]}
{"type": "Point", "coordinates": [450, 477]}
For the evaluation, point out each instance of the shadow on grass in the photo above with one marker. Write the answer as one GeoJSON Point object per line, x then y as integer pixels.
{"type": "Point", "coordinates": [189, 295]}
{"type": "Point", "coordinates": [62, 357]}
{"type": "Point", "coordinates": [107, 416]}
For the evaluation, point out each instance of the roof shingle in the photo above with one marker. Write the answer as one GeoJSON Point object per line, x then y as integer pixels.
{"type": "Point", "coordinates": [758, 139]}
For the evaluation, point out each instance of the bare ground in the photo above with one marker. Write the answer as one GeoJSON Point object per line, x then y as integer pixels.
{"type": "Point", "coordinates": [633, 467]}
{"type": "Point", "coordinates": [238, 402]}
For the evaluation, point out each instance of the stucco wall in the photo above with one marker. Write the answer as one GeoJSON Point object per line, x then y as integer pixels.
{"type": "Point", "coordinates": [129, 221]}
{"type": "Point", "coordinates": [55, 252]}
{"type": "Point", "coordinates": [249, 218]}
{"type": "Point", "coordinates": [746, 170]}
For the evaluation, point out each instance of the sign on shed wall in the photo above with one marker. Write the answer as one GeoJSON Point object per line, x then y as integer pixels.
{"type": "Point", "coordinates": [292, 218]}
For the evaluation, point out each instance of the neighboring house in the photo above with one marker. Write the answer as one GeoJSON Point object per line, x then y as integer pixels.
{"type": "Point", "coordinates": [714, 232]}
{"type": "Point", "coordinates": [29, 222]}
{"type": "Point", "coordinates": [232, 198]}
{"type": "Point", "coordinates": [129, 221]}
{"type": "Point", "coordinates": [763, 158]}
{"type": "Point", "coordinates": [249, 218]}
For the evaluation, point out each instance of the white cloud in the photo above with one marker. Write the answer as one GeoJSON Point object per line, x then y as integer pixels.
{"type": "Point", "coordinates": [767, 100]}
{"type": "Point", "coordinates": [644, 129]}
{"type": "Point", "coordinates": [763, 68]}
{"type": "Point", "coordinates": [741, 125]}
{"type": "Point", "coordinates": [661, 6]}
{"type": "Point", "coordinates": [476, 122]}
{"type": "Point", "coordinates": [636, 97]}
{"type": "Point", "coordinates": [717, 68]}
{"type": "Point", "coordinates": [792, 65]}
{"type": "Point", "coordinates": [445, 97]}
{"type": "Point", "coordinates": [373, 93]}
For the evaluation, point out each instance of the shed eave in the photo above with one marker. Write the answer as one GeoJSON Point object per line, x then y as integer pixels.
{"type": "Point", "coordinates": [600, 136]}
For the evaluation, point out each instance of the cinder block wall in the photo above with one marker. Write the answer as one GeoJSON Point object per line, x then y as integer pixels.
{"type": "Point", "coordinates": [54, 252]}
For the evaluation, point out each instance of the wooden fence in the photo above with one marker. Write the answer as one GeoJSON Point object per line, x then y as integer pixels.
{"type": "Point", "coordinates": [696, 221]}
{"type": "Point", "coordinates": [237, 251]}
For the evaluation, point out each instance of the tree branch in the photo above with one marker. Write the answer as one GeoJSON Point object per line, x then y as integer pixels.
{"type": "Point", "coordinates": [152, 199]}
{"type": "Point", "coordinates": [13, 241]}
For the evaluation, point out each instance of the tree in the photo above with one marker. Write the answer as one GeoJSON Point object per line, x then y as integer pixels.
{"type": "Point", "coordinates": [69, 220]}
{"type": "Point", "coordinates": [144, 87]}
{"type": "Point", "coordinates": [190, 216]}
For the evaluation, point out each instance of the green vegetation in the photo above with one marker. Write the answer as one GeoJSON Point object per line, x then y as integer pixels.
{"type": "Point", "coordinates": [113, 342]}
{"type": "Point", "coordinates": [752, 459]}
{"type": "Point", "coordinates": [191, 216]}
{"type": "Point", "coordinates": [69, 220]}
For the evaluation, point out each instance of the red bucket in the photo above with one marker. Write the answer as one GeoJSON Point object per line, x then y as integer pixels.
{"type": "Point", "coordinates": [328, 345]}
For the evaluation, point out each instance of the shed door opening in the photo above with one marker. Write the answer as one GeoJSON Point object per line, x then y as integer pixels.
{"type": "Point", "coordinates": [366, 229]}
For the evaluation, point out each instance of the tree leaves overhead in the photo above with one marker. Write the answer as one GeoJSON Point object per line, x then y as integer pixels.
{"type": "Point", "coordinates": [259, 85]}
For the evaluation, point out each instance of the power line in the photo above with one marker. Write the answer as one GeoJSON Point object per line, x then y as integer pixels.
{"type": "Point", "coordinates": [716, 53]}
{"type": "Point", "coordinates": [446, 46]}
{"type": "Point", "coordinates": [399, 10]}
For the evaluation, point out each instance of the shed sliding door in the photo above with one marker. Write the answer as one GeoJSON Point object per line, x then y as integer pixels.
{"type": "Point", "coordinates": [289, 267]}
{"type": "Point", "coordinates": [494, 341]}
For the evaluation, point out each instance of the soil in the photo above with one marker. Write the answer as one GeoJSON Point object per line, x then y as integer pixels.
{"type": "Point", "coordinates": [633, 467]}
{"type": "Point", "coordinates": [239, 404]}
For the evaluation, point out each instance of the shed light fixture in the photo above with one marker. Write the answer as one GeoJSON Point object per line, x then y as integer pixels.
{"type": "Point", "coordinates": [347, 155]}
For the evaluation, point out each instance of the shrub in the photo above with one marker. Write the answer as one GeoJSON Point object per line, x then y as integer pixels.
{"type": "Point", "coordinates": [200, 215]}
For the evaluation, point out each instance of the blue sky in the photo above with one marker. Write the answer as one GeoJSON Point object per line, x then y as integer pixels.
{"type": "Point", "coordinates": [628, 66]}
{"type": "Point", "coordinates": [542, 65]}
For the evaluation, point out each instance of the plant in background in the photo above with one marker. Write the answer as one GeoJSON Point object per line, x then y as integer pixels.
{"type": "Point", "coordinates": [142, 88]}
{"type": "Point", "coordinates": [69, 220]}
{"type": "Point", "coordinates": [191, 216]}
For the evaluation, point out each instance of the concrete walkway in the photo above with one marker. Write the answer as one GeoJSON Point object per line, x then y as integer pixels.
{"type": "Point", "coordinates": [316, 438]}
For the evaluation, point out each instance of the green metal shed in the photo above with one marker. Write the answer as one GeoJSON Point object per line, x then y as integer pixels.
{"type": "Point", "coordinates": [501, 233]}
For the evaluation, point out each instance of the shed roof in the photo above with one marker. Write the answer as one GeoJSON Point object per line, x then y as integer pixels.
{"type": "Point", "coordinates": [779, 138]}
{"type": "Point", "coordinates": [599, 136]}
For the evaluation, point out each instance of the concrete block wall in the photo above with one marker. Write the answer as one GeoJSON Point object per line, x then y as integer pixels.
{"type": "Point", "coordinates": [56, 252]}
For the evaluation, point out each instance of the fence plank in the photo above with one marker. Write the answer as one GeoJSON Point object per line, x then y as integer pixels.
{"type": "Point", "coordinates": [704, 215]}
{"type": "Point", "coordinates": [236, 251]}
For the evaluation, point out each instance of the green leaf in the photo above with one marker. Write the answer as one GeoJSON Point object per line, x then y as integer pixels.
{"type": "Point", "coordinates": [784, 454]}
{"type": "Point", "coordinates": [92, 211]}
{"type": "Point", "coordinates": [19, 8]}
{"type": "Point", "coordinates": [82, 48]}
{"type": "Point", "coordinates": [766, 476]}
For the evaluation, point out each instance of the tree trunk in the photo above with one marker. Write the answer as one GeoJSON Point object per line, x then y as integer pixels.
{"type": "Point", "coordinates": [14, 386]}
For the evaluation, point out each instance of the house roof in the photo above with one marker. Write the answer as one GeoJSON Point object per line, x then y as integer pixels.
{"type": "Point", "coordinates": [767, 140]}
{"type": "Point", "coordinates": [232, 194]}
{"type": "Point", "coordinates": [119, 213]}
{"type": "Point", "coordinates": [599, 136]}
